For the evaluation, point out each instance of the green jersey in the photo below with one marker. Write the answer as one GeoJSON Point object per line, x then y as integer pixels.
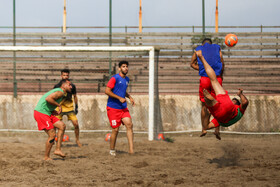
{"type": "Point", "coordinates": [44, 107]}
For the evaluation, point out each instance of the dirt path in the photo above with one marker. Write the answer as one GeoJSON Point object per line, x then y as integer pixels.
{"type": "Point", "coordinates": [189, 161]}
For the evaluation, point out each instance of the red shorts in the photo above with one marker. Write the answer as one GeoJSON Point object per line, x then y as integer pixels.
{"type": "Point", "coordinates": [116, 115]}
{"type": "Point", "coordinates": [224, 109]}
{"type": "Point", "coordinates": [44, 121]}
{"type": "Point", "coordinates": [205, 83]}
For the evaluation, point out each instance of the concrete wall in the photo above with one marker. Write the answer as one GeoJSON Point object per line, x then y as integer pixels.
{"type": "Point", "coordinates": [178, 112]}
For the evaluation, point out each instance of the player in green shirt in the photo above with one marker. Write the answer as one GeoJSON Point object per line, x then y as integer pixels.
{"type": "Point", "coordinates": [44, 114]}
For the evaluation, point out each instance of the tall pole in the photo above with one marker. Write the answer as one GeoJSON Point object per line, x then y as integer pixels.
{"type": "Point", "coordinates": [64, 18]}
{"type": "Point", "coordinates": [140, 16]}
{"type": "Point", "coordinates": [217, 17]}
{"type": "Point", "coordinates": [203, 17]}
{"type": "Point", "coordinates": [110, 36]}
{"type": "Point", "coordinates": [14, 53]}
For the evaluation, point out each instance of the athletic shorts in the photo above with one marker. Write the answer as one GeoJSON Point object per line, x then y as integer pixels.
{"type": "Point", "coordinates": [71, 116]}
{"type": "Point", "coordinates": [205, 83]}
{"type": "Point", "coordinates": [224, 109]}
{"type": "Point", "coordinates": [116, 115]}
{"type": "Point", "coordinates": [44, 121]}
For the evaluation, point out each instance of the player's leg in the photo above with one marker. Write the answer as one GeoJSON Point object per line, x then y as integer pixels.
{"type": "Point", "coordinates": [75, 123]}
{"type": "Point", "coordinates": [129, 132]}
{"type": "Point", "coordinates": [49, 143]}
{"type": "Point", "coordinates": [61, 129]}
{"type": "Point", "coordinates": [77, 132]}
{"type": "Point", "coordinates": [205, 83]}
{"type": "Point", "coordinates": [205, 117]}
{"type": "Point", "coordinates": [113, 140]}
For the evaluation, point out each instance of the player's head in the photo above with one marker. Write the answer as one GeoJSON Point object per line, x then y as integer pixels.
{"type": "Point", "coordinates": [123, 67]}
{"type": "Point", "coordinates": [236, 101]}
{"type": "Point", "coordinates": [65, 74]}
{"type": "Point", "coordinates": [65, 84]}
{"type": "Point", "coordinates": [207, 40]}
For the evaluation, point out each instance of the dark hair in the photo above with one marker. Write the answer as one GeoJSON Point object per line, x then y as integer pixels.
{"type": "Point", "coordinates": [123, 62]}
{"type": "Point", "coordinates": [65, 71]}
{"type": "Point", "coordinates": [207, 40]}
{"type": "Point", "coordinates": [237, 101]}
{"type": "Point", "coordinates": [62, 81]}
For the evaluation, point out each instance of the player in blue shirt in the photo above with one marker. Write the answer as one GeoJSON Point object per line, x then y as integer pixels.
{"type": "Point", "coordinates": [117, 106]}
{"type": "Point", "coordinates": [213, 55]}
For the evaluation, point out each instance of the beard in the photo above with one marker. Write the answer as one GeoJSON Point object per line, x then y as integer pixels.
{"type": "Point", "coordinates": [124, 72]}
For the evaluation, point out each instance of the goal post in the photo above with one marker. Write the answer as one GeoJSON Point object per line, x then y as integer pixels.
{"type": "Point", "coordinates": [150, 50]}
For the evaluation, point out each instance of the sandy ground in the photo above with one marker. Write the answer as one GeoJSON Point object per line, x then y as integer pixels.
{"type": "Point", "coordinates": [236, 160]}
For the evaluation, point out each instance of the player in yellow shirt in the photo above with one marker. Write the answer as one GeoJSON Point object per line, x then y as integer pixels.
{"type": "Point", "coordinates": [67, 105]}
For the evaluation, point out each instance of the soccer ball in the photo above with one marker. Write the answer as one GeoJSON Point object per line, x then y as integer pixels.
{"type": "Point", "coordinates": [107, 137]}
{"type": "Point", "coordinates": [65, 138]}
{"type": "Point", "coordinates": [231, 40]}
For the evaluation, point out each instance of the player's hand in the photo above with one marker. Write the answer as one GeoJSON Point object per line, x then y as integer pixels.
{"type": "Point", "coordinates": [198, 53]}
{"type": "Point", "coordinates": [76, 109]}
{"type": "Point", "coordinates": [59, 110]}
{"type": "Point", "coordinates": [122, 100]}
{"type": "Point", "coordinates": [132, 101]}
{"type": "Point", "coordinates": [240, 91]}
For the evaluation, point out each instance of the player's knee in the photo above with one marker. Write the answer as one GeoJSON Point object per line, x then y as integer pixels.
{"type": "Point", "coordinates": [129, 125]}
{"type": "Point", "coordinates": [115, 130]}
{"type": "Point", "coordinates": [63, 126]}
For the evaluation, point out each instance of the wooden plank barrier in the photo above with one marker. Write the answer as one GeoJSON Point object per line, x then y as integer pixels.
{"type": "Point", "coordinates": [253, 63]}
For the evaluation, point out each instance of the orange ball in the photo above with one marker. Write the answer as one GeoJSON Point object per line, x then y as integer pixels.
{"type": "Point", "coordinates": [231, 40]}
{"type": "Point", "coordinates": [65, 138]}
{"type": "Point", "coordinates": [108, 137]}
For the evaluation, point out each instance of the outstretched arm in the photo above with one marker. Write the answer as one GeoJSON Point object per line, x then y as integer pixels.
{"type": "Point", "coordinates": [244, 100]}
{"type": "Point", "coordinates": [194, 63]}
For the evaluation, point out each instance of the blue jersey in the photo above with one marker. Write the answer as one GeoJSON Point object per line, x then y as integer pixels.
{"type": "Point", "coordinates": [118, 86]}
{"type": "Point", "coordinates": [211, 53]}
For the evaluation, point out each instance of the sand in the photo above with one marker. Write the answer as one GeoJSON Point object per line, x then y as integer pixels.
{"type": "Point", "coordinates": [236, 160]}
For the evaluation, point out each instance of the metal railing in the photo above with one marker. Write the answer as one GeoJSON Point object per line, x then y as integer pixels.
{"type": "Point", "coordinates": [259, 28]}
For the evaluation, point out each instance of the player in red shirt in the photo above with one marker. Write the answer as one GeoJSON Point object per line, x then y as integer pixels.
{"type": "Point", "coordinates": [225, 111]}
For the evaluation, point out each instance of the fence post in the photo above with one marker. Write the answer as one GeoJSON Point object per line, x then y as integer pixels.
{"type": "Point", "coordinates": [261, 39]}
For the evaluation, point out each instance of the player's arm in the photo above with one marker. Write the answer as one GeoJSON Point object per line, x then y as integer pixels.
{"type": "Point", "coordinates": [194, 63]}
{"type": "Point", "coordinates": [76, 103]}
{"type": "Point", "coordinates": [108, 91]}
{"type": "Point", "coordinates": [130, 98]}
{"type": "Point", "coordinates": [223, 64]}
{"type": "Point", "coordinates": [54, 96]}
{"type": "Point", "coordinates": [74, 92]}
{"type": "Point", "coordinates": [244, 100]}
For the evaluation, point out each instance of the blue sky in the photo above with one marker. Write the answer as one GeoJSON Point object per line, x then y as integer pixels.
{"type": "Point", "coordinates": [155, 12]}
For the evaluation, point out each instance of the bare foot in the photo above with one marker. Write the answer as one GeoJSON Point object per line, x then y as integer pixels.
{"type": "Point", "coordinates": [131, 152]}
{"type": "Point", "coordinates": [79, 143]}
{"type": "Point", "coordinates": [217, 134]}
{"type": "Point", "coordinates": [204, 132]}
{"type": "Point", "coordinates": [59, 153]}
{"type": "Point", "coordinates": [47, 158]}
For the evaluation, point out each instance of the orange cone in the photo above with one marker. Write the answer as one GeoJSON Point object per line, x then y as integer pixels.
{"type": "Point", "coordinates": [160, 137]}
